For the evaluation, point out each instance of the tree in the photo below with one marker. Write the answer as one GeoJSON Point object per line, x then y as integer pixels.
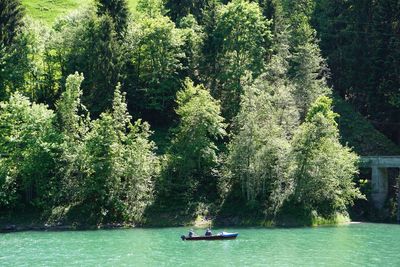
{"type": "Point", "coordinates": [178, 9]}
{"type": "Point", "coordinates": [259, 158]}
{"type": "Point", "coordinates": [73, 167]}
{"type": "Point", "coordinates": [155, 53]}
{"type": "Point", "coordinates": [21, 64]}
{"type": "Point", "coordinates": [193, 38]}
{"type": "Point", "coordinates": [151, 8]}
{"type": "Point", "coordinates": [142, 168]}
{"type": "Point", "coordinates": [15, 64]}
{"type": "Point", "coordinates": [108, 169]}
{"type": "Point", "coordinates": [209, 67]}
{"type": "Point", "coordinates": [123, 166]}
{"type": "Point", "coordinates": [100, 200]}
{"type": "Point", "coordinates": [136, 161]}
{"type": "Point", "coordinates": [191, 163]}
{"type": "Point", "coordinates": [27, 138]}
{"type": "Point", "coordinates": [91, 48]}
{"type": "Point", "coordinates": [11, 14]}
{"type": "Point", "coordinates": [325, 169]}
{"type": "Point", "coordinates": [70, 109]}
{"type": "Point", "coordinates": [307, 73]}
{"type": "Point", "coordinates": [308, 69]}
{"type": "Point", "coordinates": [244, 37]}
{"type": "Point", "coordinates": [118, 10]}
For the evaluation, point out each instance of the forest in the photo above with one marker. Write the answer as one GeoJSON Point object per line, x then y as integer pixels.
{"type": "Point", "coordinates": [186, 109]}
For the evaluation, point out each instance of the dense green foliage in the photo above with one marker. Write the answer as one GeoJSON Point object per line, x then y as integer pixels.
{"type": "Point", "coordinates": [361, 41]}
{"type": "Point", "coordinates": [260, 152]}
{"type": "Point", "coordinates": [241, 85]}
{"type": "Point", "coordinates": [27, 138]}
{"type": "Point", "coordinates": [189, 172]}
{"type": "Point", "coordinates": [177, 9]}
{"type": "Point", "coordinates": [11, 14]}
{"type": "Point", "coordinates": [74, 168]}
{"type": "Point", "coordinates": [12, 52]}
{"type": "Point", "coordinates": [324, 168]}
{"type": "Point", "coordinates": [279, 164]}
{"type": "Point", "coordinates": [118, 10]}
{"type": "Point", "coordinates": [154, 54]}
{"type": "Point", "coordinates": [244, 42]}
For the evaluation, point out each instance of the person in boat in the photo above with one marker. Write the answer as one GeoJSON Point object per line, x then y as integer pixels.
{"type": "Point", "coordinates": [191, 233]}
{"type": "Point", "coordinates": [208, 232]}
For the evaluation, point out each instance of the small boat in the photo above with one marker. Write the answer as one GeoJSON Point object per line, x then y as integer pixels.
{"type": "Point", "coordinates": [220, 236]}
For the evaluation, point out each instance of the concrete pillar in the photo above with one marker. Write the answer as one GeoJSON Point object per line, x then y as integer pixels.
{"type": "Point", "coordinates": [380, 186]}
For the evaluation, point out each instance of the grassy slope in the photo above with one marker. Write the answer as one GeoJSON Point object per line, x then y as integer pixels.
{"type": "Point", "coordinates": [358, 133]}
{"type": "Point", "coordinates": [48, 10]}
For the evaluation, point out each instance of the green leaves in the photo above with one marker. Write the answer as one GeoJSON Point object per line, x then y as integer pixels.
{"type": "Point", "coordinates": [118, 10]}
{"type": "Point", "coordinates": [91, 171]}
{"type": "Point", "coordinates": [154, 46]}
{"type": "Point", "coordinates": [11, 14]}
{"type": "Point", "coordinates": [283, 143]}
{"type": "Point", "coordinates": [325, 169]}
{"type": "Point", "coordinates": [275, 161]}
{"type": "Point", "coordinates": [361, 43]}
{"type": "Point", "coordinates": [109, 171]}
{"type": "Point", "coordinates": [69, 107]}
{"type": "Point", "coordinates": [243, 40]}
{"type": "Point", "coordinates": [259, 156]}
{"type": "Point", "coordinates": [27, 137]}
{"type": "Point", "coordinates": [194, 150]}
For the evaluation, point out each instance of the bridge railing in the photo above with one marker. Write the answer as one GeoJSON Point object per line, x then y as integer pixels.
{"type": "Point", "coordinates": [380, 161]}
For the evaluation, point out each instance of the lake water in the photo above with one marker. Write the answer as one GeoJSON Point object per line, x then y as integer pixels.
{"type": "Point", "coordinates": [347, 245]}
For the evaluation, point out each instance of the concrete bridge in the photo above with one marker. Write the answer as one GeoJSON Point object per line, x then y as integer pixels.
{"type": "Point", "coordinates": [379, 179]}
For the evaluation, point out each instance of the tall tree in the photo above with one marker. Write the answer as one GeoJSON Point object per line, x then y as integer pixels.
{"type": "Point", "coordinates": [16, 47]}
{"type": "Point", "coordinates": [193, 38]}
{"type": "Point", "coordinates": [308, 69]}
{"type": "Point", "coordinates": [244, 38]}
{"type": "Point", "coordinates": [16, 65]}
{"type": "Point", "coordinates": [191, 164]}
{"type": "Point", "coordinates": [177, 9]}
{"type": "Point", "coordinates": [11, 14]}
{"type": "Point", "coordinates": [325, 169]}
{"type": "Point", "coordinates": [210, 49]}
{"type": "Point", "coordinates": [73, 125]}
{"type": "Point", "coordinates": [155, 53]}
{"type": "Point", "coordinates": [118, 10]}
{"type": "Point", "coordinates": [92, 48]}
{"type": "Point", "coordinates": [107, 170]}
{"type": "Point", "coordinates": [259, 158]}
{"type": "Point", "coordinates": [27, 138]}
{"type": "Point", "coordinates": [70, 111]}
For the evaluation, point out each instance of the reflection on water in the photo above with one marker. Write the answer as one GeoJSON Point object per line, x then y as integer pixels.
{"type": "Point", "coordinates": [348, 245]}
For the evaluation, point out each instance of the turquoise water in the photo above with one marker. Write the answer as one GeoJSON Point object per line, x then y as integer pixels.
{"type": "Point", "coordinates": [347, 245]}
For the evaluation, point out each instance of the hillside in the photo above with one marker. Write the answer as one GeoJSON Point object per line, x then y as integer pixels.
{"type": "Point", "coordinates": [243, 113]}
{"type": "Point", "coordinates": [355, 131]}
{"type": "Point", "coordinates": [358, 133]}
{"type": "Point", "coordinates": [49, 10]}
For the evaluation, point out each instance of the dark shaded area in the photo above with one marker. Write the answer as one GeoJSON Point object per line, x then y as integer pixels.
{"type": "Point", "coordinates": [358, 133]}
{"type": "Point", "coordinates": [361, 42]}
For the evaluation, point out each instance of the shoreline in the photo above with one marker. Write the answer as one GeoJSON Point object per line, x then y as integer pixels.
{"type": "Point", "coordinates": [13, 228]}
